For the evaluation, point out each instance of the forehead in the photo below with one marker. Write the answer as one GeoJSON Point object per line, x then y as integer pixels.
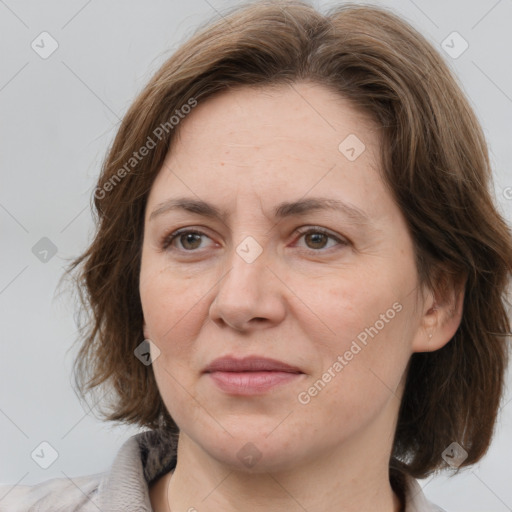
{"type": "Point", "coordinates": [268, 141]}
{"type": "Point", "coordinates": [277, 116]}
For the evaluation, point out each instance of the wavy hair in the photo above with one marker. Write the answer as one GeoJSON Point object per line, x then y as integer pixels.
{"type": "Point", "coordinates": [434, 160]}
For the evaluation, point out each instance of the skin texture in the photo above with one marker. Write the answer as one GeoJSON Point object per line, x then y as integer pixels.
{"type": "Point", "coordinates": [303, 301]}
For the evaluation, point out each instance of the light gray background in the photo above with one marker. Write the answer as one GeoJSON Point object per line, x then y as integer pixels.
{"type": "Point", "coordinates": [59, 115]}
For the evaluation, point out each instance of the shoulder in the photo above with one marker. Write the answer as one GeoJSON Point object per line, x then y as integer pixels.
{"type": "Point", "coordinates": [141, 460]}
{"type": "Point", "coordinates": [58, 494]}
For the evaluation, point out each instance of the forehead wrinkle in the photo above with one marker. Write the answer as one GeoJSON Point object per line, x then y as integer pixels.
{"type": "Point", "coordinates": [285, 209]}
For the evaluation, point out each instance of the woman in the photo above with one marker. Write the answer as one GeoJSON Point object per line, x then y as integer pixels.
{"type": "Point", "coordinates": [296, 218]}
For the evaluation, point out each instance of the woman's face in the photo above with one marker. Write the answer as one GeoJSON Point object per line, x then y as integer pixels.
{"type": "Point", "coordinates": [290, 248]}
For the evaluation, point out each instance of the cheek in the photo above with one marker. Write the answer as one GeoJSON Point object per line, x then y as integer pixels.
{"type": "Point", "coordinates": [178, 393]}
{"type": "Point", "coordinates": [172, 309]}
{"type": "Point", "coordinates": [172, 314]}
{"type": "Point", "coordinates": [361, 370]}
{"type": "Point", "coordinates": [370, 328]}
{"type": "Point", "coordinates": [352, 307]}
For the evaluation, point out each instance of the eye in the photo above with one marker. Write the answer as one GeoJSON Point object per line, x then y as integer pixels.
{"type": "Point", "coordinates": [317, 238]}
{"type": "Point", "coordinates": [188, 239]}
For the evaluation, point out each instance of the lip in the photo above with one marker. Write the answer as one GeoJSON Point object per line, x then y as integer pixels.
{"type": "Point", "coordinates": [250, 375]}
{"type": "Point", "coordinates": [249, 364]}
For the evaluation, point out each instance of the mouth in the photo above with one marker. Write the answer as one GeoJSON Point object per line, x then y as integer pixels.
{"type": "Point", "coordinates": [250, 375]}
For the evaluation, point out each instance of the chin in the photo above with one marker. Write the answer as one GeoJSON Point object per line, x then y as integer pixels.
{"type": "Point", "coordinates": [255, 457]}
{"type": "Point", "coordinates": [252, 446]}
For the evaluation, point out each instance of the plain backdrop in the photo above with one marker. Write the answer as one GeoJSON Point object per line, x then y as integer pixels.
{"type": "Point", "coordinates": [59, 115]}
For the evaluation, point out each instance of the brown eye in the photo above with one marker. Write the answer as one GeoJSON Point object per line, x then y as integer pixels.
{"type": "Point", "coordinates": [190, 241]}
{"type": "Point", "coordinates": [316, 240]}
{"type": "Point", "coordinates": [184, 240]}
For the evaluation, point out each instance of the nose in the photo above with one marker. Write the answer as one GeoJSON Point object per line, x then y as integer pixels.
{"type": "Point", "coordinates": [249, 295]}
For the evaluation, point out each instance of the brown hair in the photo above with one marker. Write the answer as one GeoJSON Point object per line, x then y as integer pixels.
{"type": "Point", "coordinates": [434, 161]}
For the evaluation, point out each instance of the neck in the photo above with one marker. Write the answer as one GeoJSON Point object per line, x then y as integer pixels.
{"type": "Point", "coordinates": [353, 477]}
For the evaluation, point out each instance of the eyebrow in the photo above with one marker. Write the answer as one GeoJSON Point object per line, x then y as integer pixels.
{"type": "Point", "coordinates": [285, 209]}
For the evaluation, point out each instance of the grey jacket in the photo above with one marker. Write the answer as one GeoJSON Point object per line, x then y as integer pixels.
{"type": "Point", "coordinates": [141, 460]}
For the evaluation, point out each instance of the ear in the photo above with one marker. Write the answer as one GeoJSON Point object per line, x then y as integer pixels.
{"type": "Point", "coordinates": [441, 315]}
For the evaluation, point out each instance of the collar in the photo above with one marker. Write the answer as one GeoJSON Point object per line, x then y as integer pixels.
{"type": "Point", "coordinates": [141, 460]}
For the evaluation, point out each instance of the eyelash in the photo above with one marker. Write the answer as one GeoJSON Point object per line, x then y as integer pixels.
{"type": "Point", "coordinates": [168, 240]}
